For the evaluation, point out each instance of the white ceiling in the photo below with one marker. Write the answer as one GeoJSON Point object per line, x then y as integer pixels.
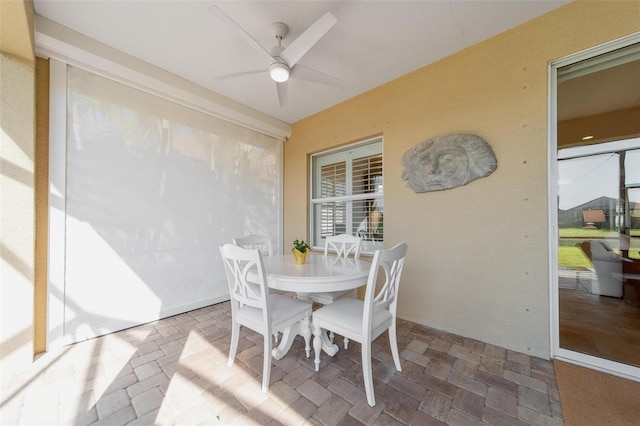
{"type": "Point", "coordinates": [372, 43]}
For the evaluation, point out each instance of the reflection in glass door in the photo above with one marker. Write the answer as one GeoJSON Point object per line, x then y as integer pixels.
{"type": "Point", "coordinates": [598, 250]}
{"type": "Point", "coordinates": [598, 208]}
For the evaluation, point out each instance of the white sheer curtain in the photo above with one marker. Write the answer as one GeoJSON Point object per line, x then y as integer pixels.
{"type": "Point", "coordinates": [152, 189]}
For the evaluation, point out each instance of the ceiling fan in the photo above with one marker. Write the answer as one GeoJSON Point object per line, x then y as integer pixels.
{"type": "Point", "coordinates": [283, 62]}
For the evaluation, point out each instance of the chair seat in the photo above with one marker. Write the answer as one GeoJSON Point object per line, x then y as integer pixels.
{"type": "Point", "coordinates": [344, 316]}
{"type": "Point", "coordinates": [284, 310]}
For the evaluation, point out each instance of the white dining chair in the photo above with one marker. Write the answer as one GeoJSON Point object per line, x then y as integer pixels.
{"type": "Point", "coordinates": [253, 307]}
{"type": "Point", "coordinates": [255, 242]}
{"type": "Point", "coordinates": [344, 246]}
{"type": "Point", "coordinates": [365, 320]}
{"type": "Point", "coordinates": [266, 249]}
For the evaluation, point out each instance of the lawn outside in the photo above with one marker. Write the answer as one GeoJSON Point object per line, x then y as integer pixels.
{"type": "Point", "coordinates": [571, 256]}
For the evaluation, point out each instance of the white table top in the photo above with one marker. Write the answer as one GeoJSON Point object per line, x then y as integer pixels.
{"type": "Point", "coordinates": [319, 274]}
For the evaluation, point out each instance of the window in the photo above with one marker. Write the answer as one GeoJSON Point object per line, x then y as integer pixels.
{"type": "Point", "coordinates": [347, 196]}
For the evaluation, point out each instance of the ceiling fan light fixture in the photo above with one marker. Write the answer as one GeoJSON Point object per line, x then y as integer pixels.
{"type": "Point", "coordinates": [279, 72]}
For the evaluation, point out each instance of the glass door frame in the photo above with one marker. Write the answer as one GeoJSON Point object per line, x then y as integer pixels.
{"type": "Point", "coordinates": [607, 366]}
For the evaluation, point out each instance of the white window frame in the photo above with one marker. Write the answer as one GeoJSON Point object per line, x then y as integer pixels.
{"type": "Point", "coordinates": [358, 150]}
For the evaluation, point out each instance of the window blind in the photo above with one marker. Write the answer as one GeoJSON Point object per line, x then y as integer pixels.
{"type": "Point", "coordinates": [152, 189]}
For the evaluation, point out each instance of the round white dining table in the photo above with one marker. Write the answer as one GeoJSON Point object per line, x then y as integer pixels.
{"type": "Point", "coordinates": [319, 274]}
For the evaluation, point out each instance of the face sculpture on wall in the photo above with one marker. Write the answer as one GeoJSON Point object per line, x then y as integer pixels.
{"type": "Point", "coordinates": [446, 162]}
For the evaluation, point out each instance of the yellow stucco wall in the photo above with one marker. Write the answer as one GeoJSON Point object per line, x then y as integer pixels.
{"type": "Point", "coordinates": [42, 205]}
{"type": "Point", "coordinates": [17, 112]}
{"type": "Point", "coordinates": [16, 29]}
{"type": "Point", "coordinates": [478, 254]}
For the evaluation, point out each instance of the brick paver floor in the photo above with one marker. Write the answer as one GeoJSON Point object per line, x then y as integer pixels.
{"type": "Point", "coordinates": [174, 371]}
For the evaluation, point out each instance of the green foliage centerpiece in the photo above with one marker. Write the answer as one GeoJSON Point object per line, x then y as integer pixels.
{"type": "Point", "coordinates": [300, 251]}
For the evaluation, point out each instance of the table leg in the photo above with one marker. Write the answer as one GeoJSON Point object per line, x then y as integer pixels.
{"type": "Point", "coordinates": [306, 333]}
{"type": "Point", "coordinates": [322, 342]}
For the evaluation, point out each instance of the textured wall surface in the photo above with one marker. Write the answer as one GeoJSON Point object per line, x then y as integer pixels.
{"type": "Point", "coordinates": [478, 260]}
{"type": "Point", "coordinates": [16, 210]}
{"type": "Point", "coordinates": [42, 204]}
{"type": "Point", "coordinates": [17, 134]}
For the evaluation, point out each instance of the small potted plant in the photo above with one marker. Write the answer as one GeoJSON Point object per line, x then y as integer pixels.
{"type": "Point", "coordinates": [300, 251]}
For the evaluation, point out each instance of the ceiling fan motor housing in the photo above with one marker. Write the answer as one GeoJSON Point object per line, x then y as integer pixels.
{"type": "Point", "coordinates": [280, 30]}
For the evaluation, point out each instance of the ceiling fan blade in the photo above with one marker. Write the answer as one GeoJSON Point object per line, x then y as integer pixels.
{"type": "Point", "coordinates": [241, 32]}
{"type": "Point", "coordinates": [239, 74]}
{"type": "Point", "coordinates": [282, 94]}
{"type": "Point", "coordinates": [307, 39]}
{"type": "Point", "coordinates": [304, 73]}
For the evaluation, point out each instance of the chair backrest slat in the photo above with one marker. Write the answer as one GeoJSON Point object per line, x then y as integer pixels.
{"type": "Point", "coordinates": [246, 277]}
{"type": "Point", "coordinates": [344, 245]}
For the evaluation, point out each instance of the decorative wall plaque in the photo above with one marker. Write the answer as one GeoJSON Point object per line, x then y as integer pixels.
{"type": "Point", "coordinates": [447, 161]}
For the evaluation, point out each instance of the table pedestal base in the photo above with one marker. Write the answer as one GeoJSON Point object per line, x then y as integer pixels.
{"type": "Point", "coordinates": [303, 329]}
{"type": "Point", "coordinates": [320, 341]}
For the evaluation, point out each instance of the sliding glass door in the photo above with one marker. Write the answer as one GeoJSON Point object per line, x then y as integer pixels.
{"type": "Point", "coordinates": [597, 216]}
